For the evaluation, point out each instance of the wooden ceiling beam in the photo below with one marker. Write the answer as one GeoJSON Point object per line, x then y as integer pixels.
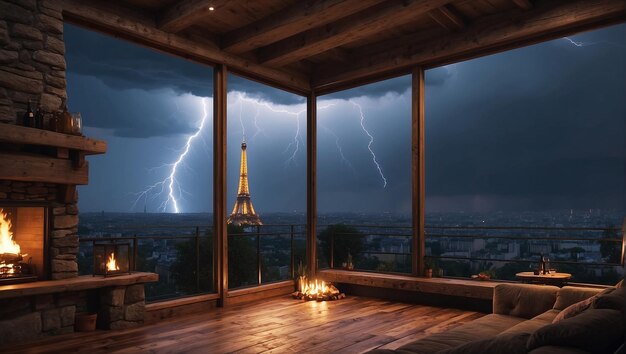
{"type": "Point", "coordinates": [97, 15]}
{"type": "Point", "coordinates": [523, 4]}
{"type": "Point", "coordinates": [185, 13]}
{"type": "Point", "coordinates": [299, 17]}
{"type": "Point", "coordinates": [448, 17]}
{"type": "Point", "coordinates": [547, 20]}
{"type": "Point", "coordinates": [357, 26]}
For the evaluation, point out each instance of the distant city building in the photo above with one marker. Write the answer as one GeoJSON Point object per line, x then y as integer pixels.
{"type": "Point", "coordinates": [243, 211]}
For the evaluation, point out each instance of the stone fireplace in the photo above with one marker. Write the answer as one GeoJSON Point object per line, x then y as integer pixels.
{"type": "Point", "coordinates": [23, 243]}
{"type": "Point", "coordinates": [39, 172]}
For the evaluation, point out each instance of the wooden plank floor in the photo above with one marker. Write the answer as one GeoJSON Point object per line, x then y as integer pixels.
{"type": "Point", "coordinates": [278, 325]}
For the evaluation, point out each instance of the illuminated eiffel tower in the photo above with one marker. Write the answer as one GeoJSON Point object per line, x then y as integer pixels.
{"type": "Point", "coordinates": [243, 211]}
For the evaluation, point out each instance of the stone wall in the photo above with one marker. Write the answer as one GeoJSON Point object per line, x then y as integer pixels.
{"type": "Point", "coordinates": [63, 238]}
{"type": "Point", "coordinates": [122, 307]}
{"type": "Point", "coordinates": [32, 62]}
{"type": "Point", "coordinates": [28, 318]}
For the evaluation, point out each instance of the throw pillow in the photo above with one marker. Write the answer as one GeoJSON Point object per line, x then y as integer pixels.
{"type": "Point", "coordinates": [579, 307]}
{"type": "Point", "coordinates": [510, 343]}
{"type": "Point", "coordinates": [594, 330]}
{"type": "Point", "coordinates": [615, 300]}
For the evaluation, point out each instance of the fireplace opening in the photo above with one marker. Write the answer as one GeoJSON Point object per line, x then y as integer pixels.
{"type": "Point", "coordinates": [22, 244]}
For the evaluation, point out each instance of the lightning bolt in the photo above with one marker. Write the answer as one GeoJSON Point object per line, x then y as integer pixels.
{"type": "Point", "coordinates": [170, 183]}
{"type": "Point", "coordinates": [297, 138]}
{"type": "Point", "coordinates": [586, 44]}
{"type": "Point", "coordinates": [339, 148]}
{"type": "Point", "coordinates": [369, 144]}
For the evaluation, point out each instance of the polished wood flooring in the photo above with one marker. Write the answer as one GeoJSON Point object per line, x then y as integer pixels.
{"type": "Point", "coordinates": [277, 325]}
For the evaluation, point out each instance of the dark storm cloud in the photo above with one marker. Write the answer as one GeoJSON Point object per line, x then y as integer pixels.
{"type": "Point", "coordinates": [547, 120]}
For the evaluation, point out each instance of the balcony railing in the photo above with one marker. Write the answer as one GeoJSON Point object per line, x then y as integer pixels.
{"type": "Point", "coordinates": [183, 256]}
{"type": "Point", "coordinates": [592, 255]}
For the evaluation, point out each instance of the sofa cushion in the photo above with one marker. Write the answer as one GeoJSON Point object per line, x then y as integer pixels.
{"type": "Point", "coordinates": [483, 328]}
{"type": "Point", "coordinates": [594, 330]}
{"type": "Point", "coordinates": [510, 343]}
{"type": "Point", "coordinates": [534, 323]}
{"type": "Point", "coordinates": [574, 309]}
{"type": "Point", "coordinates": [615, 300]}
{"type": "Point", "coordinates": [523, 300]}
{"type": "Point", "coordinates": [570, 295]}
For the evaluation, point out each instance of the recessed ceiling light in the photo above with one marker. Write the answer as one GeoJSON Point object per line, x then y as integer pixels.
{"type": "Point", "coordinates": [211, 8]}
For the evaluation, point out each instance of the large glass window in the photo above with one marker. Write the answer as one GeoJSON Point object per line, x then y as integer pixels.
{"type": "Point", "coordinates": [525, 157]}
{"type": "Point", "coordinates": [266, 183]}
{"type": "Point", "coordinates": [153, 187]}
{"type": "Point", "coordinates": [364, 177]}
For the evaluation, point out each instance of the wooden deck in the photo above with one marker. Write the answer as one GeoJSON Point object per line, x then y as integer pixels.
{"type": "Point", "coordinates": [279, 325]}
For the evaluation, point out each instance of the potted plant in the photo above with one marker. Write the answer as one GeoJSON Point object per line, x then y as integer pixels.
{"type": "Point", "coordinates": [85, 318]}
{"type": "Point", "coordinates": [428, 269]}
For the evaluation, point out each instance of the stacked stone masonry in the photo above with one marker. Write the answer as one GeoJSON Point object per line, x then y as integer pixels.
{"type": "Point", "coordinates": [32, 62]}
{"type": "Point", "coordinates": [122, 307]}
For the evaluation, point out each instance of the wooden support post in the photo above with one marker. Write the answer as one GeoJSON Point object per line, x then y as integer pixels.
{"type": "Point", "coordinates": [311, 186]}
{"type": "Point", "coordinates": [220, 234]}
{"type": "Point", "coordinates": [418, 245]}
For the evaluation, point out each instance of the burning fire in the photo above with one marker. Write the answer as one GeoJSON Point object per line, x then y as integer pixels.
{"type": "Point", "coordinates": [9, 249]}
{"type": "Point", "coordinates": [112, 264]}
{"type": "Point", "coordinates": [316, 290]}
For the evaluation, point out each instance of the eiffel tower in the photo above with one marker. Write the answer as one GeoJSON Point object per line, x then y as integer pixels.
{"type": "Point", "coordinates": [243, 211]}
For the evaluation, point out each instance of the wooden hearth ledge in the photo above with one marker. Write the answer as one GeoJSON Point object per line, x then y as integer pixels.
{"type": "Point", "coordinates": [80, 283]}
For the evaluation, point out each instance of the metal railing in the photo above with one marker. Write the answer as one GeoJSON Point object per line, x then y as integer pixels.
{"type": "Point", "coordinates": [553, 237]}
{"type": "Point", "coordinates": [194, 234]}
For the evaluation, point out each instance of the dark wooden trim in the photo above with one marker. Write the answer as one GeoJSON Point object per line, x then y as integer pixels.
{"type": "Point", "coordinates": [29, 168]}
{"type": "Point", "coordinates": [160, 305]}
{"type": "Point", "coordinates": [84, 282]}
{"type": "Point", "coordinates": [220, 234]}
{"type": "Point", "coordinates": [16, 134]}
{"type": "Point", "coordinates": [623, 259]}
{"type": "Point", "coordinates": [311, 190]}
{"type": "Point", "coordinates": [299, 17]}
{"type": "Point", "coordinates": [448, 17]}
{"type": "Point", "coordinates": [185, 13]}
{"type": "Point", "coordinates": [418, 246]}
{"type": "Point", "coordinates": [109, 19]}
{"type": "Point", "coordinates": [504, 31]}
{"type": "Point", "coordinates": [472, 289]}
{"type": "Point", "coordinates": [352, 28]}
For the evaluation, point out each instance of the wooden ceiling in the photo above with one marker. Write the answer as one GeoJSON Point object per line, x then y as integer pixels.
{"type": "Point", "coordinates": [327, 45]}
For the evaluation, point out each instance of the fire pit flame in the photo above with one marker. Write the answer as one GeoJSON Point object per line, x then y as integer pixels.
{"type": "Point", "coordinates": [316, 290]}
{"type": "Point", "coordinates": [112, 264]}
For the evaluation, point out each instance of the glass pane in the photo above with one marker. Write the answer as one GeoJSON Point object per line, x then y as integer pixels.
{"type": "Point", "coordinates": [155, 181]}
{"type": "Point", "coordinates": [364, 178]}
{"type": "Point", "coordinates": [525, 158]}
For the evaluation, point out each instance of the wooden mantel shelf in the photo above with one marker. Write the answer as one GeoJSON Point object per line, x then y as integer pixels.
{"type": "Point", "coordinates": [445, 286]}
{"type": "Point", "coordinates": [84, 282]}
{"type": "Point", "coordinates": [11, 133]}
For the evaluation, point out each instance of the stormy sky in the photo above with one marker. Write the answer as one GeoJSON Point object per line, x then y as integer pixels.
{"type": "Point", "coordinates": [537, 128]}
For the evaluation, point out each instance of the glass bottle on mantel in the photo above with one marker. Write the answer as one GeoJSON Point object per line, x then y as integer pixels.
{"type": "Point", "coordinates": [39, 118]}
{"type": "Point", "coordinates": [29, 116]}
{"type": "Point", "coordinates": [66, 120]}
{"type": "Point", "coordinates": [54, 124]}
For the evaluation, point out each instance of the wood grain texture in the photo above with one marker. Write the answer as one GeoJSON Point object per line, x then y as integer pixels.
{"type": "Point", "coordinates": [300, 17]}
{"type": "Point", "coordinates": [28, 168]}
{"type": "Point", "coordinates": [185, 13]}
{"type": "Point", "coordinates": [10, 133]}
{"type": "Point", "coordinates": [279, 325]}
{"type": "Point", "coordinates": [352, 28]}
{"type": "Point", "coordinates": [99, 16]}
{"type": "Point", "coordinates": [80, 283]}
{"type": "Point", "coordinates": [502, 31]}
{"type": "Point", "coordinates": [472, 289]}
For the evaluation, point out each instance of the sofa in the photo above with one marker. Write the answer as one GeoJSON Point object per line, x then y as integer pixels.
{"type": "Point", "coordinates": [593, 321]}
